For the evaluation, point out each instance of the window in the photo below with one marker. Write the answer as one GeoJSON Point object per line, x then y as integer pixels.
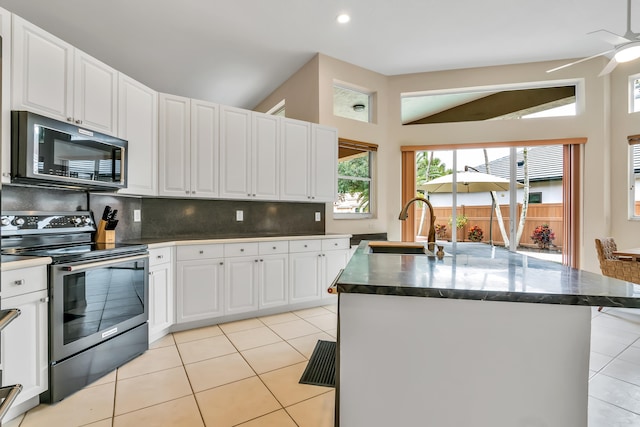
{"type": "Point", "coordinates": [506, 102]}
{"type": "Point", "coordinates": [634, 91]}
{"type": "Point", "coordinates": [355, 182]}
{"type": "Point", "coordinates": [278, 109]}
{"type": "Point", "coordinates": [634, 176]}
{"type": "Point", "coordinates": [352, 103]}
{"type": "Point", "coordinates": [535, 197]}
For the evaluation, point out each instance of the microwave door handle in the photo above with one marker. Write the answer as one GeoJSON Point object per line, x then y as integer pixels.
{"type": "Point", "coordinates": [87, 266]}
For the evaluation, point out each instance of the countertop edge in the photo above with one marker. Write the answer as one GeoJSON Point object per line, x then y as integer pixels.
{"type": "Point", "coordinates": [153, 244]}
{"type": "Point", "coordinates": [24, 262]}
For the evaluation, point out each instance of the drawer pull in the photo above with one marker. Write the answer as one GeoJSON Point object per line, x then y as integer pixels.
{"type": "Point", "coordinates": [19, 282]}
{"type": "Point", "coordinates": [44, 299]}
{"type": "Point", "coordinates": [160, 256]}
{"type": "Point", "coordinates": [274, 248]}
{"type": "Point", "coordinates": [201, 252]}
{"type": "Point", "coordinates": [241, 249]}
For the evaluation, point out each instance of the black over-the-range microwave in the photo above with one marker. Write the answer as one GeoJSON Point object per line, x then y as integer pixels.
{"type": "Point", "coordinates": [50, 152]}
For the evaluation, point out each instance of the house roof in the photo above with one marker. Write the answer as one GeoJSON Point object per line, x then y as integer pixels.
{"type": "Point", "coordinates": [545, 164]}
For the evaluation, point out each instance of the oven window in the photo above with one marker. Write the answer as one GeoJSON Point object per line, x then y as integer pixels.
{"type": "Point", "coordinates": [98, 299]}
{"type": "Point", "coordinates": [70, 156]}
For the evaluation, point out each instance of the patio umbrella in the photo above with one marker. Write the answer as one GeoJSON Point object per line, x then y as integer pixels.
{"type": "Point", "coordinates": [470, 182]}
{"type": "Point", "coordinates": [467, 182]}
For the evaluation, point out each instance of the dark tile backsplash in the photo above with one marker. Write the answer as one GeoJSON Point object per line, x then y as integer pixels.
{"type": "Point", "coordinates": [190, 218]}
{"type": "Point", "coordinates": [175, 218]}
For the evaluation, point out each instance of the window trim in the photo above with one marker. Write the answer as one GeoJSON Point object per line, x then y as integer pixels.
{"type": "Point", "coordinates": [632, 100]}
{"type": "Point", "coordinates": [633, 140]}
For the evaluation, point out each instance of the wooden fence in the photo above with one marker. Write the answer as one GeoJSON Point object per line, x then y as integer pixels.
{"type": "Point", "coordinates": [537, 214]}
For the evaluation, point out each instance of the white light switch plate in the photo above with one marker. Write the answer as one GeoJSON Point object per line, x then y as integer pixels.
{"type": "Point", "coordinates": [137, 217]}
{"type": "Point", "coordinates": [318, 216]}
{"type": "Point", "coordinates": [239, 216]}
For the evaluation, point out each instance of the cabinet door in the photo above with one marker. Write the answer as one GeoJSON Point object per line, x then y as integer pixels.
{"type": "Point", "coordinates": [5, 131]}
{"type": "Point", "coordinates": [25, 354]}
{"type": "Point", "coordinates": [324, 163]}
{"type": "Point", "coordinates": [294, 167]}
{"type": "Point", "coordinates": [273, 274]}
{"type": "Point", "coordinates": [174, 146]}
{"type": "Point", "coordinates": [199, 290]}
{"type": "Point", "coordinates": [241, 285]}
{"type": "Point", "coordinates": [304, 276]}
{"type": "Point", "coordinates": [334, 261]}
{"type": "Point", "coordinates": [96, 94]}
{"type": "Point", "coordinates": [138, 124]}
{"type": "Point", "coordinates": [42, 71]}
{"type": "Point", "coordinates": [265, 156]}
{"type": "Point", "coordinates": [235, 151]}
{"type": "Point", "coordinates": [204, 149]}
{"type": "Point", "coordinates": [160, 300]}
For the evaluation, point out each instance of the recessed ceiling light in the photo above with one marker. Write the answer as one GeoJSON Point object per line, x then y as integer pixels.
{"type": "Point", "coordinates": [343, 18]}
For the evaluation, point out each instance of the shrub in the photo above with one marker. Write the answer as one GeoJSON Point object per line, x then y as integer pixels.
{"type": "Point", "coordinates": [543, 236]}
{"type": "Point", "coordinates": [475, 234]}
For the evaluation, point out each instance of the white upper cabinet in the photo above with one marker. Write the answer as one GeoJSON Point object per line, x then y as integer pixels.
{"type": "Point", "coordinates": [96, 94]}
{"type": "Point", "coordinates": [235, 152]}
{"type": "Point", "coordinates": [188, 147]}
{"type": "Point", "coordinates": [204, 149]}
{"type": "Point", "coordinates": [138, 124]}
{"type": "Point", "coordinates": [324, 163]}
{"type": "Point", "coordinates": [294, 168]}
{"type": "Point", "coordinates": [47, 72]}
{"type": "Point", "coordinates": [265, 156]}
{"type": "Point", "coordinates": [175, 146]}
{"type": "Point", "coordinates": [5, 135]}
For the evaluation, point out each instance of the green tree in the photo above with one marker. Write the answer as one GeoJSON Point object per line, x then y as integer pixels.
{"type": "Point", "coordinates": [429, 167]}
{"type": "Point", "coordinates": [355, 167]}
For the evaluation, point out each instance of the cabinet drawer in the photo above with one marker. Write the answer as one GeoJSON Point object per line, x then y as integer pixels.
{"type": "Point", "coordinates": [305, 245]}
{"type": "Point", "coordinates": [329, 244]}
{"type": "Point", "coordinates": [280, 247]}
{"type": "Point", "coordinates": [240, 249]}
{"type": "Point", "coordinates": [24, 280]}
{"type": "Point", "coordinates": [159, 256]}
{"type": "Point", "coordinates": [192, 252]}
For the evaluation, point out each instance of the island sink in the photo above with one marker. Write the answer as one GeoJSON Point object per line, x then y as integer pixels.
{"type": "Point", "coordinates": [406, 248]}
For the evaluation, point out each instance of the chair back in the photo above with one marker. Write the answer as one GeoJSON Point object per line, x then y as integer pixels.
{"type": "Point", "coordinates": [613, 266]}
{"type": "Point", "coordinates": [605, 247]}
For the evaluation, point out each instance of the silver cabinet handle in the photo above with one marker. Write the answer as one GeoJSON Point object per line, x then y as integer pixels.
{"type": "Point", "coordinates": [44, 299]}
{"type": "Point", "coordinates": [79, 122]}
{"type": "Point", "coordinates": [19, 282]}
{"type": "Point", "coordinates": [160, 256]}
{"type": "Point", "coordinates": [201, 252]}
{"type": "Point", "coordinates": [69, 119]}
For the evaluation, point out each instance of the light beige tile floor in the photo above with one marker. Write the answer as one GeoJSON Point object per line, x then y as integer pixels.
{"type": "Point", "coordinates": [202, 378]}
{"type": "Point", "coordinates": [242, 373]}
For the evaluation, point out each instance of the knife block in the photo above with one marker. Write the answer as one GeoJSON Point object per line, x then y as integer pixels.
{"type": "Point", "coordinates": [103, 235]}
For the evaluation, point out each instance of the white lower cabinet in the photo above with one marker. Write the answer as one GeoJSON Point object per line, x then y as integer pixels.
{"type": "Point", "coordinates": [200, 276]}
{"type": "Point", "coordinates": [241, 284]}
{"type": "Point", "coordinates": [313, 267]}
{"type": "Point", "coordinates": [25, 340]}
{"type": "Point", "coordinates": [161, 299]}
{"type": "Point", "coordinates": [273, 274]}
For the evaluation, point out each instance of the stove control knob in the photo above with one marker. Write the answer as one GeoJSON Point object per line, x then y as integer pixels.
{"type": "Point", "coordinates": [77, 220]}
{"type": "Point", "coordinates": [5, 220]}
{"type": "Point", "coordinates": [18, 221]}
{"type": "Point", "coordinates": [87, 220]}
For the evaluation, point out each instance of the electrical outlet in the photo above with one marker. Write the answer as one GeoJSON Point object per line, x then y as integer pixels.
{"type": "Point", "coordinates": [137, 216]}
{"type": "Point", "coordinates": [318, 216]}
{"type": "Point", "coordinates": [239, 216]}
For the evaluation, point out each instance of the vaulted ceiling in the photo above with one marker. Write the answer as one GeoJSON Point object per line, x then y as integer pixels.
{"type": "Point", "coordinates": [237, 52]}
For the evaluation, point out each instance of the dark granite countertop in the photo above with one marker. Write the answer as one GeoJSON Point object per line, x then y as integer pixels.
{"type": "Point", "coordinates": [479, 272]}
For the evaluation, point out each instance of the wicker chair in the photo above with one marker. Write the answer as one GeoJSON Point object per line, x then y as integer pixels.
{"type": "Point", "coordinates": [614, 266]}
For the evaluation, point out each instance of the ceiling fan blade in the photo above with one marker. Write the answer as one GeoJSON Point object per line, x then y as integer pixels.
{"type": "Point", "coordinates": [579, 61]}
{"type": "Point", "coordinates": [609, 37]}
{"type": "Point", "coordinates": [609, 67]}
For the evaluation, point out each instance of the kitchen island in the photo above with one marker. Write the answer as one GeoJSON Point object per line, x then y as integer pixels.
{"type": "Point", "coordinates": [483, 337]}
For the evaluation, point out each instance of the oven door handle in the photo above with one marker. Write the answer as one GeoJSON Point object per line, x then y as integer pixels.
{"type": "Point", "coordinates": [87, 266]}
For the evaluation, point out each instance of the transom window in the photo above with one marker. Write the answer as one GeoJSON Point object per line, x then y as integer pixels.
{"type": "Point", "coordinates": [634, 92]}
